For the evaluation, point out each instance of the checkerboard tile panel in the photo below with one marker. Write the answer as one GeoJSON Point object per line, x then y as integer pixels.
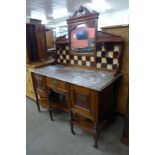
{"type": "Point", "coordinates": [88, 61]}
{"type": "Point", "coordinates": [63, 54]}
{"type": "Point", "coordinates": [107, 56]}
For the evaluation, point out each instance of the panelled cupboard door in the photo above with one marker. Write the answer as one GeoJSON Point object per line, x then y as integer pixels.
{"type": "Point", "coordinates": [83, 100]}
{"type": "Point", "coordinates": [41, 41]}
{"type": "Point", "coordinates": [40, 85]}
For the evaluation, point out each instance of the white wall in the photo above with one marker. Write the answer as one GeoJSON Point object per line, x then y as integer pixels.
{"type": "Point", "coordinates": [113, 18]}
{"type": "Point", "coordinates": [106, 19]}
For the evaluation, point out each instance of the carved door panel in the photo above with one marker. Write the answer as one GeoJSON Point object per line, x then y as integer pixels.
{"type": "Point", "coordinates": [40, 85]}
{"type": "Point", "coordinates": [82, 100]}
{"type": "Point", "coordinates": [41, 42]}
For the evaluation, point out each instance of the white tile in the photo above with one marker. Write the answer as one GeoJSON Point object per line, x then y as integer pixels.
{"type": "Point", "coordinates": [115, 61]}
{"type": "Point", "coordinates": [109, 66]}
{"type": "Point", "coordinates": [83, 58]}
{"type": "Point", "coordinates": [79, 62]}
{"type": "Point", "coordinates": [92, 59]}
{"type": "Point", "coordinates": [59, 60]}
{"type": "Point", "coordinates": [67, 47]}
{"type": "Point", "coordinates": [58, 52]}
{"type": "Point", "coordinates": [75, 57]}
{"type": "Point", "coordinates": [103, 48]}
{"type": "Point", "coordinates": [87, 63]}
{"type": "Point", "coordinates": [67, 57]}
{"type": "Point", "coordinates": [64, 52]}
{"type": "Point", "coordinates": [110, 54]}
{"type": "Point", "coordinates": [72, 61]}
{"type": "Point", "coordinates": [98, 53]}
{"type": "Point", "coordinates": [116, 48]}
{"type": "Point", "coordinates": [61, 57]}
{"type": "Point", "coordinates": [103, 60]}
{"type": "Point", "coordinates": [64, 61]}
{"type": "Point", "coordinates": [98, 65]}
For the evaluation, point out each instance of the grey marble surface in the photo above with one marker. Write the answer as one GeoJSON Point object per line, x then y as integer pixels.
{"type": "Point", "coordinates": [92, 79]}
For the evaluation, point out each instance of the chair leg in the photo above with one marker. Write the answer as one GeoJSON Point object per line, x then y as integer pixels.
{"type": "Point", "coordinates": [95, 136]}
{"type": "Point", "coordinates": [38, 106]}
{"type": "Point", "coordinates": [72, 129]}
{"type": "Point", "coordinates": [96, 140]}
{"type": "Point", "coordinates": [51, 114]}
{"type": "Point", "coordinates": [71, 123]}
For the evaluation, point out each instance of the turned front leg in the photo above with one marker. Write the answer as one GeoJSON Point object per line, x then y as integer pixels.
{"type": "Point", "coordinates": [95, 136]}
{"type": "Point", "coordinates": [71, 123]}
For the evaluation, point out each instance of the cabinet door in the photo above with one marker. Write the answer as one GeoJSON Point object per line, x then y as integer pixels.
{"type": "Point", "coordinates": [41, 42]}
{"type": "Point", "coordinates": [40, 85]}
{"type": "Point", "coordinates": [83, 100]}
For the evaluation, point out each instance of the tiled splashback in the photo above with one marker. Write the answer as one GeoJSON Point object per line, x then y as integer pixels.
{"type": "Point", "coordinates": [107, 56]}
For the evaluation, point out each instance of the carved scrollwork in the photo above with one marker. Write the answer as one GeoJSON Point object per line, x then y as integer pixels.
{"type": "Point", "coordinates": [81, 11]}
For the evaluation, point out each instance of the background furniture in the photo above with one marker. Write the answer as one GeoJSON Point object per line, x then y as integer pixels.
{"type": "Point", "coordinates": [36, 51]}
{"type": "Point", "coordinates": [125, 136]}
{"type": "Point", "coordinates": [36, 47]}
{"type": "Point", "coordinates": [29, 84]}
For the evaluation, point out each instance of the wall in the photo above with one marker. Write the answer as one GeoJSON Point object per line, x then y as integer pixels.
{"type": "Point", "coordinates": [120, 17]}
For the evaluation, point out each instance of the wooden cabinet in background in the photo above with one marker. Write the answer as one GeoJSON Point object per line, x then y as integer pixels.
{"type": "Point", "coordinates": [29, 85]}
{"type": "Point", "coordinates": [36, 46]}
{"type": "Point", "coordinates": [49, 38]}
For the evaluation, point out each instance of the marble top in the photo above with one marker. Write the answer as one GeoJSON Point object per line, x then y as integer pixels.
{"type": "Point", "coordinates": [93, 79]}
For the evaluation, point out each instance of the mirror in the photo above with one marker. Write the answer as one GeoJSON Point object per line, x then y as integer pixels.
{"type": "Point", "coordinates": [82, 39]}
{"type": "Point", "coordinates": [82, 27]}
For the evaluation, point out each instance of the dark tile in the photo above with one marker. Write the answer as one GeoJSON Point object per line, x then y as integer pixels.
{"type": "Point", "coordinates": [87, 58]}
{"type": "Point", "coordinates": [109, 60]}
{"type": "Point", "coordinates": [98, 59]}
{"type": "Point", "coordinates": [103, 53]}
{"type": "Point", "coordinates": [93, 64]}
{"type": "Point", "coordinates": [75, 62]}
{"type": "Point", "coordinates": [79, 57]}
{"type": "Point", "coordinates": [71, 56]}
{"type": "Point", "coordinates": [103, 65]}
{"type": "Point", "coordinates": [109, 46]}
{"type": "Point", "coordinates": [83, 63]}
{"type": "Point", "coordinates": [114, 66]}
{"type": "Point", "coordinates": [115, 54]}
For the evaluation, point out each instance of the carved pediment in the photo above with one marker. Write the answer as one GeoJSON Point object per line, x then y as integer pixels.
{"type": "Point", "coordinates": [82, 14]}
{"type": "Point", "coordinates": [82, 11]}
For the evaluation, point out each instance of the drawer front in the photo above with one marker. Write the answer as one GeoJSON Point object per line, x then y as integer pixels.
{"type": "Point", "coordinates": [56, 84]}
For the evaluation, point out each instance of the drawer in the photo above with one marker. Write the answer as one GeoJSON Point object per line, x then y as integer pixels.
{"type": "Point", "coordinates": [56, 84]}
